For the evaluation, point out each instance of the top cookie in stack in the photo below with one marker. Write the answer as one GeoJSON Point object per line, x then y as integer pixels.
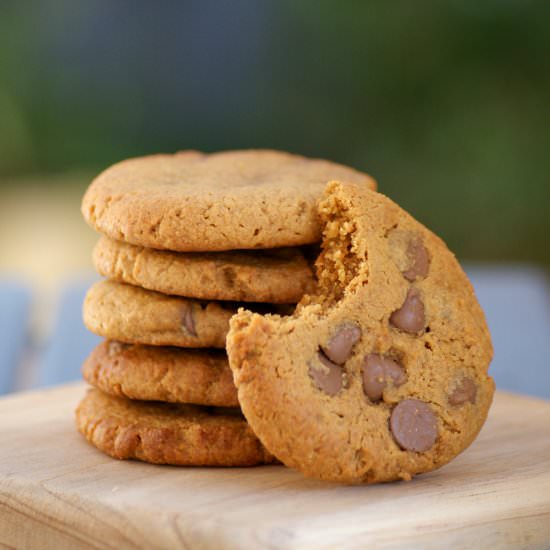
{"type": "Point", "coordinates": [186, 239]}
{"type": "Point", "coordinates": [195, 202]}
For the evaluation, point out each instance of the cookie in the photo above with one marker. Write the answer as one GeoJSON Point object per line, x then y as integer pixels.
{"type": "Point", "coordinates": [137, 316]}
{"type": "Point", "coordinates": [382, 374]}
{"type": "Point", "coordinates": [278, 276]}
{"type": "Point", "coordinates": [192, 201]}
{"type": "Point", "coordinates": [154, 373]}
{"type": "Point", "coordinates": [164, 433]}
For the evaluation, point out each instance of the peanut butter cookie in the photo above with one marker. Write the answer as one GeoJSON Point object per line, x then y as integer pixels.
{"type": "Point", "coordinates": [137, 316]}
{"type": "Point", "coordinates": [192, 201]}
{"type": "Point", "coordinates": [278, 276]}
{"type": "Point", "coordinates": [156, 373]}
{"type": "Point", "coordinates": [163, 433]}
{"type": "Point", "coordinates": [380, 375]}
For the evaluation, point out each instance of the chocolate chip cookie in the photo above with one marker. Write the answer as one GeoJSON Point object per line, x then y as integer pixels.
{"type": "Point", "coordinates": [162, 433]}
{"type": "Point", "coordinates": [134, 315]}
{"type": "Point", "coordinates": [192, 201]}
{"type": "Point", "coordinates": [137, 316]}
{"type": "Point", "coordinates": [382, 373]}
{"type": "Point", "coordinates": [278, 276]}
{"type": "Point", "coordinates": [155, 373]}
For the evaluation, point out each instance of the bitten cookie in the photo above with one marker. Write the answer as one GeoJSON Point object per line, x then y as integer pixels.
{"type": "Point", "coordinates": [155, 373]}
{"type": "Point", "coordinates": [278, 276]}
{"type": "Point", "coordinates": [191, 201]}
{"type": "Point", "coordinates": [383, 373]}
{"type": "Point", "coordinates": [137, 316]}
{"type": "Point", "coordinates": [163, 433]}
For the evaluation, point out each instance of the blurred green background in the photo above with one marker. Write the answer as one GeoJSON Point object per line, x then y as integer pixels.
{"type": "Point", "coordinates": [447, 104]}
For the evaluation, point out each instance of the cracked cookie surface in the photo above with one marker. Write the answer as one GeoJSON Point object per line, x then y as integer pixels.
{"type": "Point", "coordinates": [164, 433]}
{"type": "Point", "coordinates": [278, 276]}
{"type": "Point", "coordinates": [156, 373]}
{"type": "Point", "coordinates": [191, 201]}
{"type": "Point", "coordinates": [380, 375]}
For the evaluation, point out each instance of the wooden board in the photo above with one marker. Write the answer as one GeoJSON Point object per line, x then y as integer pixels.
{"type": "Point", "coordinates": [57, 492]}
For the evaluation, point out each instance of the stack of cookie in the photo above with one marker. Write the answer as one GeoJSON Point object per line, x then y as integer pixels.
{"type": "Point", "coordinates": [186, 240]}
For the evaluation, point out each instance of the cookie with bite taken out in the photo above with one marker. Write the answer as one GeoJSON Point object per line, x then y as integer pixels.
{"type": "Point", "coordinates": [381, 374]}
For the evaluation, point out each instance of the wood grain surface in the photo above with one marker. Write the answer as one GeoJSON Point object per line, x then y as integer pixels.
{"type": "Point", "coordinates": [56, 491]}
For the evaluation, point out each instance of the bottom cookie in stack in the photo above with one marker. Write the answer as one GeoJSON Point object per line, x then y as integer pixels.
{"type": "Point", "coordinates": [167, 433]}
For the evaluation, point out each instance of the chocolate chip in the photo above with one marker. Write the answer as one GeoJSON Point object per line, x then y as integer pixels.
{"type": "Point", "coordinates": [418, 260]}
{"type": "Point", "coordinates": [410, 316]}
{"type": "Point", "coordinates": [188, 320]}
{"type": "Point", "coordinates": [465, 391]}
{"type": "Point", "coordinates": [341, 343]}
{"type": "Point", "coordinates": [378, 372]}
{"type": "Point", "coordinates": [326, 375]}
{"type": "Point", "coordinates": [414, 425]}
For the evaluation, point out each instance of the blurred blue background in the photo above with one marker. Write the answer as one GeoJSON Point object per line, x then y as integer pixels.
{"type": "Point", "coordinates": [445, 103]}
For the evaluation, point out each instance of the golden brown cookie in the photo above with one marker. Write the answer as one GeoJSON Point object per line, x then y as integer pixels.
{"type": "Point", "coordinates": [278, 276]}
{"type": "Point", "coordinates": [155, 373]}
{"type": "Point", "coordinates": [383, 373]}
{"type": "Point", "coordinates": [164, 433]}
{"type": "Point", "coordinates": [137, 316]}
{"type": "Point", "coordinates": [192, 201]}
